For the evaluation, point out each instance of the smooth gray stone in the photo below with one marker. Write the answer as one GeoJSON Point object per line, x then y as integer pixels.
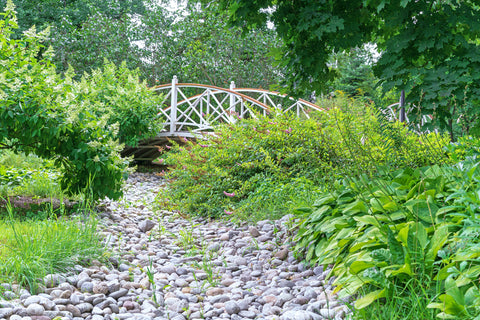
{"type": "Point", "coordinates": [119, 293]}
{"type": "Point", "coordinates": [84, 307]}
{"type": "Point", "coordinates": [35, 309]}
{"type": "Point", "coordinates": [247, 314]}
{"type": "Point", "coordinates": [146, 225]}
{"type": "Point", "coordinates": [87, 287]}
{"type": "Point", "coordinates": [231, 307]}
{"type": "Point", "coordinates": [6, 312]}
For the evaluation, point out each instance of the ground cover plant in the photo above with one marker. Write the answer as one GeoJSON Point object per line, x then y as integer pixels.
{"type": "Point", "coordinates": [260, 168]}
{"type": "Point", "coordinates": [31, 185]}
{"type": "Point", "coordinates": [408, 239]}
{"type": "Point", "coordinates": [28, 176]}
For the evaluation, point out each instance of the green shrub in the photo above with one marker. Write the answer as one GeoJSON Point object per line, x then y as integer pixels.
{"type": "Point", "coordinates": [272, 162]}
{"type": "Point", "coordinates": [363, 140]}
{"type": "Point", "coordinates": [118, 94]}
{"type": "Point", "coordinates": [246, 164]}
{"type": "Point", "coordinates": [417, 224]}
{"type": "Point", "coordinates": [76, 124]}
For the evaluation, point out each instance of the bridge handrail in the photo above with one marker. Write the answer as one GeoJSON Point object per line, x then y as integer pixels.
{"type": "Point", "coordinates": [203, 86]}
{"type": "Point", "coordinates": [278, 94]}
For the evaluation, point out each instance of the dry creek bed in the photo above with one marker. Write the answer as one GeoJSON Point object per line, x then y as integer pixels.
{"type": "Point", "coordinates": [166, 266]}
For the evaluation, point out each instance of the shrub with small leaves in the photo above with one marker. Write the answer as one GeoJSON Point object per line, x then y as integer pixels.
{"type": "Point", "coordinates": [281, 160]}
{"type": "Point", "coordinates": [245, 164]}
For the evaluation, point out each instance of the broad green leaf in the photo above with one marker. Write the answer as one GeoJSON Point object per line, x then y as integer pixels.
{"type": "Point", "coordinates": [350, 285]}
{"type": "Point", "coordinates": [395, 247]}
{"type": "Point", "coordinates": [443, 315]}
{"type": "Point", "coordinates": [451, 305]}
{"type": "Point", "coordinates": [472, 295]}
{"type": "Point", "coordinates": [423, 209]}
{"type": "Point", "coordinates": [324, 200]}
{"type": "Point", "coordinates": [421, 235]}
{"type": "Point", "coordinates": [443, 273]}
{"type": "Point", "coordinates": [390, 206]}
{"type": "Point", "coordinates": [447, 209]}
{"type": "Point", "coordinates": [376, 205]}
{"type": "Point", "coordinates": [454, 292]}
{"type": "Point", "coordinates": [367, 219]}
{"type": "Point", "coordinates": [435, 305]}
{"type": "Point", "coordinates": [405, 269]}
{"type": "Point", "coordinates": [403, 234]}
{"type": "Point", "coordinates": [468, 276]}
{"type": "Point", "coordinates": [437, 241]}
{"type": "Point", "coordinates": [397, 215]}
{"type": "Point", "coordinates": [365, 244]}
{"type": "Point", "coordinates": [318, 214]}
{"type": "Point", "coordinates": [369, 298]}
{"type": "Point", "coordinates": [358, 266]}
{"type": "Point", "coordinates": [355, 207]}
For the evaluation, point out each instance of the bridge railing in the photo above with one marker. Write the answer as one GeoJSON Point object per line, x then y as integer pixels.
{"type": "Point", "coordinates": [212, 105]}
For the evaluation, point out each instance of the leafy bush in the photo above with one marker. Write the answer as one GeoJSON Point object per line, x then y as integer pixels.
{"type": "Point", "coordinates": [280, 160]}
{"type": "Point", "coordinates": [245, 164]}
{"type": "Point", "coordinates": [76, 124]}
{"type": "Point", "coordinates": [363, 140]}
{"type": "Point", "coordinates": [118, 94]}
{"type": "Point", "coordinates": [414, 224]}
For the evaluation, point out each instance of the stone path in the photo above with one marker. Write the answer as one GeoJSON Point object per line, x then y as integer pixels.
{"type": "Point", "coordinates": [170, 267]}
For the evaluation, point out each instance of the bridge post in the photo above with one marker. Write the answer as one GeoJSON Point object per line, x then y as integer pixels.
{"type": "Point", "coordinates": [232, 101]}
{"type": "Point", "coordinates": [173, 106]}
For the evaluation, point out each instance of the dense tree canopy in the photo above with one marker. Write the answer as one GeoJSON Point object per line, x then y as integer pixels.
{"type": "Point", "coordinates": [42, 13]}
{"type": "Point", "coordinates": [189, 42]}
{"type": "Point", "coordinates": [430, 48]}
{"type": "Point", "coordinates": [194, 44]}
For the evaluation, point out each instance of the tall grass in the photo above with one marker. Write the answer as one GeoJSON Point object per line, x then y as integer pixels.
{"type": "Point", "coordinates": [408, 302]}
{"type": "Point", "coordinates": [29, 250]}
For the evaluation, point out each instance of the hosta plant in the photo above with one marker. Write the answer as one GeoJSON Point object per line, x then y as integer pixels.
{"type": "Point", "coordinates": [417, 224]}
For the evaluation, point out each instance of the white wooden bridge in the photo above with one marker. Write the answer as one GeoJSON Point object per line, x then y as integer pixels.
{"type": "Point", "coordinates": [190, 109]}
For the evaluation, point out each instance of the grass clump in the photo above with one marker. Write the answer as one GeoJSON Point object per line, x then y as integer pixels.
{"type": "Point", "coordinates": [31, 249]}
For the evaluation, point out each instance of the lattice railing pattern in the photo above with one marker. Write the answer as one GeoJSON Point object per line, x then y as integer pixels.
{"type": "Point", "coordinates": [195, 108]}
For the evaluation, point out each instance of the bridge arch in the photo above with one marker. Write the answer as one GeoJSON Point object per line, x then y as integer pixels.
{"type": "Point", "coordinates": [189, 115]}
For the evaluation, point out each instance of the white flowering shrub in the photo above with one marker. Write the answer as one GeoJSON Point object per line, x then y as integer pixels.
{"type": "Point", "coordinates": [116, 94]}
{"type": "Point", "coordinates": [76, 123]}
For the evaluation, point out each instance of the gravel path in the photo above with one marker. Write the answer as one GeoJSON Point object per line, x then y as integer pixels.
{"type": "Point", "coordinates": [170, 267]}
